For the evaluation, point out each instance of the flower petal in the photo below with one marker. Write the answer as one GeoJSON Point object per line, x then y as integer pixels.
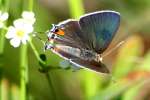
{"type": "Point", "coordinates": [30, 21]}
{"type": "Point", "coordinates": [4, 16]}
{"type": "Point", "coordinates": [24, 39]}
{"type": "Point", "coordinates": [11, 32]}
{"type": "Point", "coordinates": [15, 42]}
{"type": "Point", "coordinates": [19, 23]}
{"type": "Point", "coordinates": [22, 24]}
{"type": "Point", "coordinates": [1, 25]}
{"type": "Point", "coordinates": [27, 15]}
{"type": "Point", "coordinates": [28, 29]}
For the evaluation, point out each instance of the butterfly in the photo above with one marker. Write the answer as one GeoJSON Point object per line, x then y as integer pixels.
{"type": "Point", "coordinates": [82, 42]}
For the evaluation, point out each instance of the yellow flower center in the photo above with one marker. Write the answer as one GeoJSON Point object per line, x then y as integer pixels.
{"type": "Point", "coordinates": [20, 33]}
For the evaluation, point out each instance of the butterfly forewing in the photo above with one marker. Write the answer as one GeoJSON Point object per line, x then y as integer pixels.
{"type": "Point", "coordinates": [99, 28]}
{"type": "Point", "coordinates": [72, 34]}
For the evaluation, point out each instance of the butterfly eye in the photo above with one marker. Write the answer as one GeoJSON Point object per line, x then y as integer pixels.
{"type": "Point", "coordinates": [59, 32]}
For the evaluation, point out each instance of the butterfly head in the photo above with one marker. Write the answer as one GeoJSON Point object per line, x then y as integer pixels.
{"type": "Point", "coordinates": [57, 30]}
{"type": "Point", "coordinates": [53, 33]}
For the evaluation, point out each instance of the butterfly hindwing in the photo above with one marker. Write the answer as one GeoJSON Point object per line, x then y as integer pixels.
{"type": "Point", "coordinates": [74, 57]}
{"type": "Point", "coordinates": [92, 65]}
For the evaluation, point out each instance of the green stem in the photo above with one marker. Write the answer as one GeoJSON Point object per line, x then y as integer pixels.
{"type": "Point", "coordinates": [35, 52]}
{"type": "Point", "coordinates": [1, 52]}
{"type": "Point", "coordinates": [38, 57]}
{"type": "Point", "coordinates": [1, 4]}
{"type": "Point", "coordinates": [51, 86]}
{"type": "Point", "coordinates": [46, 74]}
{"type": "Point", "coordinates": [23, 71]}
{"type": "Point", "coordinates": [4, 7]}
{"type": "Point", "coordinates": [24, 66]}
{"type": "Point", "coordinates": [30, 7]}
{"type": "Point", "coordinates": [2, 41]}
{"type": "Point", "coordinates": [0, 89]}
{"type": "Point", "coordinates": [76, 8]}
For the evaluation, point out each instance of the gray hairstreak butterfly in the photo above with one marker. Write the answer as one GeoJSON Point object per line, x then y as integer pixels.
{"type": "Point", "coordinates": [82, 41]}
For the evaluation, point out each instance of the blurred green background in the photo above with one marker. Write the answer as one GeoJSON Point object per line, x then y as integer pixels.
{"type": "Point", "coordinates": [129, 64]}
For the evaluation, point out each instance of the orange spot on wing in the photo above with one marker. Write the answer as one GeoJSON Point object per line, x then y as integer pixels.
{"type": "Point", "coordinates": [60, 32]}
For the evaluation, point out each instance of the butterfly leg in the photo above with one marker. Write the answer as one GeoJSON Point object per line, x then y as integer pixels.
{"type": "Point", "coordinates": [99, 58]}
{"type": "Point", "coordinates": [75, 67]}
{"type": "Point", "coordinates": [64, 64]}
{"type": "Point", "coordinates": [67, 63]}
{"type": "Point", "coordinates": [48, 46]}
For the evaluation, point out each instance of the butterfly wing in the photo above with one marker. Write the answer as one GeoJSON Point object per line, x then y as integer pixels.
{"type": "Point", "coordinates": [92, 65]}
{"type": "Point", "coordinates": [99, 28]}
{"type": "Point", "coordinates": [74, 57]}
{"type": "Point", "coordinates": [93, 31]}
{"type": "Point", "coordinates": [71, 35]}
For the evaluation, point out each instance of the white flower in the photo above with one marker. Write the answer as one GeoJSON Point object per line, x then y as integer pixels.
{"type": "Point", "coordinates": [3, 17]}
{"type": "Point", "coordinates": [19, 32]}
{"type": "Point", "coordinates": [28, 16]}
